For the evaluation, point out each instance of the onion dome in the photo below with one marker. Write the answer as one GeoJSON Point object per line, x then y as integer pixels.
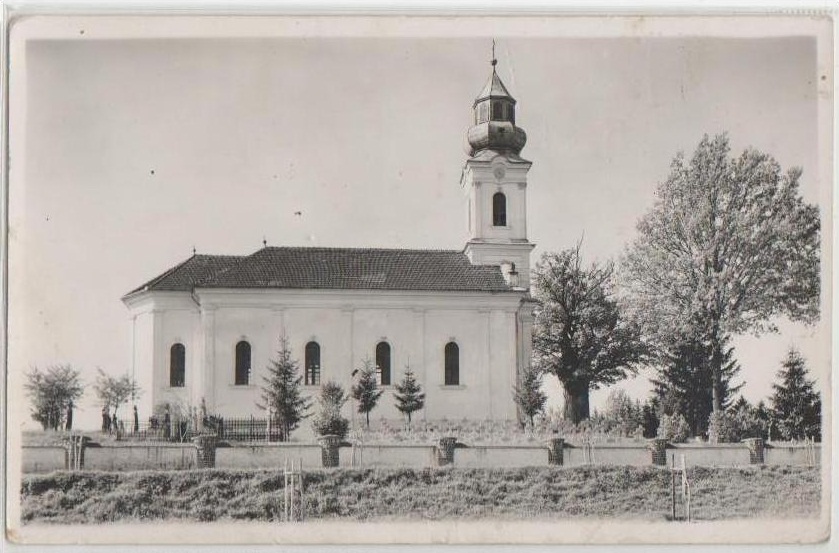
{"type": "Point", "coordinates": [495, 120]}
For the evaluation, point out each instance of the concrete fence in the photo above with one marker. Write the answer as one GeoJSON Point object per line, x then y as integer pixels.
{"type": "Point", "coordinates": [209, 453]}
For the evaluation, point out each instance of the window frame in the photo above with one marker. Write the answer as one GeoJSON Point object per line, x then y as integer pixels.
{"type": "Point", "coordinates": [181, 368]}
{"type": "Point", "coordinates": [311, 371]}
{"type": "Point", "coordinates": [387, 350]}
{"type": "Point", "coordinates": [242, 375]}
{"type": "Point", "coordinates": [454, 370]}
{"type": "Point", "coordinates": [499, 209]}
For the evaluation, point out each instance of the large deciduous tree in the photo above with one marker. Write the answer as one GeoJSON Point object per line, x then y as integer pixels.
{"type": "Point", "coordinates": [729, 245]}
{"type": "Point", "coordinates": [52, 391]}
{"type": "Point", "coordinates": [580, 335]}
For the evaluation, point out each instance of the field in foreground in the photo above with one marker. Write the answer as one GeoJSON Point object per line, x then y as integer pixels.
{"type": "Point", "coordinates": [406, 494]}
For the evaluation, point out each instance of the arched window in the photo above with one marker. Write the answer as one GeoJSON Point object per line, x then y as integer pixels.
{"type": "Point", "coordinates": [383, 362]}
{"type": "Point", "coordinates": [499, 210]}
{"type": "Point", "coordinates": [177, 366]}
{"type": "Point", "coordinates": [312, 377]}
{"type": "Point", "coordinates": [452, 361]}
{"type": "Point", "coordinates": [243, 363]}
{"type": "Point", "coordinates": [497, 111]}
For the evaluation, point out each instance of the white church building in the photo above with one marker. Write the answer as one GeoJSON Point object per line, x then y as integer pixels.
{"type": "Point", "coordinates": [206, 329]}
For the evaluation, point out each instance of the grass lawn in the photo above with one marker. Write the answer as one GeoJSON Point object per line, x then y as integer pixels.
{"type": "Point", "coordinates": [407, 494]}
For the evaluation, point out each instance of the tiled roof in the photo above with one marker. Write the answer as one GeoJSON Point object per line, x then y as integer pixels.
{"type": "Point", "coordinates": [185, 275]}
{"type": "Point", "coordinates": [334, 268]}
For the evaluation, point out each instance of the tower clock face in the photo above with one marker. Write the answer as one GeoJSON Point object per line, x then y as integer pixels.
{"type": "Point", "coordinates": [499, 172]}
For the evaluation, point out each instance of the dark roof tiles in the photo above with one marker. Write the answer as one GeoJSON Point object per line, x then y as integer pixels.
{"type": "Point", "coordinates": [333, 268]}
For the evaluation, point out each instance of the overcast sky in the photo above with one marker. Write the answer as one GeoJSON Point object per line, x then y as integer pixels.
{"type": "Point", "coordinates": [138, 150]}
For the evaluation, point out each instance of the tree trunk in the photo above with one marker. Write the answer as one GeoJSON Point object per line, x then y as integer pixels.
{"type": "Point", "coordinates": [576, 406]}
{"type": "Point", "coordinates": [716, 372]}
{"type": "Point", "coordinates": [367, 417]}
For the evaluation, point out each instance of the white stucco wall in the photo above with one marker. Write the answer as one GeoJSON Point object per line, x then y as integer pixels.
{"type": "Point", "coordinates": [347, 325]}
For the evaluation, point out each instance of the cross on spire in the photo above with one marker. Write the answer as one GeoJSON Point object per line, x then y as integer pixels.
{"type": "Point", "coordinates": [494, 61]}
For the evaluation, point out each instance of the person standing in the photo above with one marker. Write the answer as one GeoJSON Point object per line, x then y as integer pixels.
{"type": "Point", "coordinates": [136, 421]}
{"type": "Point", "coordinates": [69, 425]}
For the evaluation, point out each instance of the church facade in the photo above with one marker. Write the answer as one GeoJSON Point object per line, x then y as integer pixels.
{"type": "Point", "coordinates": [207, 329]}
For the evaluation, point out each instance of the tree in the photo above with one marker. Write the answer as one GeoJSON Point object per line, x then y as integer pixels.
{"type": "Point", "coordinates": [528, 394]}
{"type": "Point", "coordinates": [52, 392]}
{"type": "Point", "coordinates": [728, 246]}
{"type": "Point", "coordinates": [114, 391]}
{"type": "Point", "coordinates": [796, 406]}
{"type": "Point", "coordinates": [329, 420]}
{"type": "Point", "coordinates": [683, 382]}
{"type": "Point", "coordinates": [409, 395]}
{"type": "Point", "coordinates": [366, 391]}
{"type": "Point", "coordinates": [580, 335]}
{"type": "Point", "coordinates": [282, 392]}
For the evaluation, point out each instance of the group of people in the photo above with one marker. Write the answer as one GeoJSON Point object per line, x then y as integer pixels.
{"type": "Point", "coordinates": [112, 425]}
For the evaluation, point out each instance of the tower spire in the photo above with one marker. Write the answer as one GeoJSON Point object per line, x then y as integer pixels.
{"type": "Point", "coordinates": [494, 61]}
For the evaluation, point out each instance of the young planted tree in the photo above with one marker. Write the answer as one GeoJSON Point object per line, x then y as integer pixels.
{"type": "Point", "coordinates": [366, 391]}
{"type": "Point", "coordinates": [114, 391]}
{"type": "Point", "coordinates": [53, 391]}
{"type": "Point", "coordinates": [282, 393]}
{"type": "Point", "coordinates": [329, 420]}
{"type": "Point", "coordinates": [729, 245]}
{"type": "Point", "coordinates": [409, 395]}
{"type": "Point", "coordinates": [528, 394]}
{"type": "Point", "coordinates": [796, 406]}
{"type": "Point", "coordinates": [580, 334]}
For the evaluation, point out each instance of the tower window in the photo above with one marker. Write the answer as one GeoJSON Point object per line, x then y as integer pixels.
{"type": "Point", "coordinates": [312, 364]}
{"type": "Point", "coordinates": [383, 362]}
{"type": "Point", "coordinates": [499, 210]}
{"type": "Point", "coordinates": [452, 364]}
{"type": "Point", "coordinates": [483, 112]}
{"type": "Point", "coordinates": [177, 366]}
{"type": "Point", "coordinates": [497, 111]}
{"type": "Point", "coordinates": [243, 363]}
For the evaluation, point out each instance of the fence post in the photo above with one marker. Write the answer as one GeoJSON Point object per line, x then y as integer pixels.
{"type": "Point", "coordinates": [555, 446]}
{"type": "Point", "coordinates": [205, 445]}
{"type": "Point", "coordinates": [658, 448]}
{"type": "Point", "coordinates": [330, 444]}
{"type": "Point", "coordinates": [445, 450]}
{"type": "Point", "coordinates": [756, 447]}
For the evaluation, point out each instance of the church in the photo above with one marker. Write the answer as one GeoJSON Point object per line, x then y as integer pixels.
{"type": "Point", "coordinates": [207, 329]}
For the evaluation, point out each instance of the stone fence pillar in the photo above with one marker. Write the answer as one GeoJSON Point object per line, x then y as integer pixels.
{"type": "Point", "coordinates": [205, 444]}
{"type": "Point", "coordinates": [658, 448]}
{"type": "Point", "coordinates": [330, 445]}
{"type": "Point", "coordinates": [555, 446]}
{"type": "Point", "coordinates": [74, 447]}
{"type": "Point", "coordinates": [445, 451]}
{"type": "Point", "coordinates": [756, 447]}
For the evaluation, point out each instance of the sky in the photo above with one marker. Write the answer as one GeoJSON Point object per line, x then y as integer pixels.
{"type": "Point", "coordinates": [136, 151]}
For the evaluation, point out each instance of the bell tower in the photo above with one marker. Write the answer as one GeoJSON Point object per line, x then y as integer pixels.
{"type": "Point", "coordinates": [495, 182]}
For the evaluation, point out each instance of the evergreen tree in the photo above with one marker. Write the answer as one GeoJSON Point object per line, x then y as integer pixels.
{"type": "Point", "coordinates": [796, 406]}
{"type": "Point", "coordinates": [282, 394]}
{"type": "Point", "coordinates": [684, 381]}
{"type": "Point", "coordinates": [366, 391]}
{"type": "Point", "coordinates": [329, 419]}
{"type": "Point", "coordinates": [409, 395]}
{"type": "Point", "coordinates": [528, 394]}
